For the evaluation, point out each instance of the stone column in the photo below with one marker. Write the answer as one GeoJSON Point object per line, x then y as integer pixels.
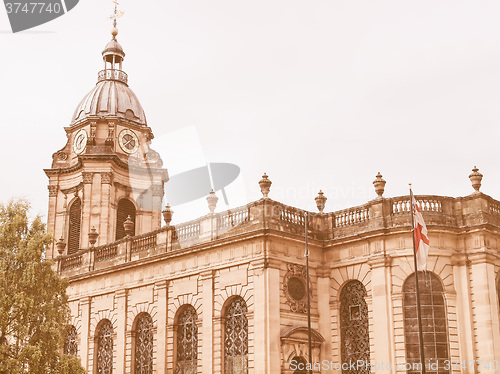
{"type": "Point", "coordinates": [85, 331]}
{"type": "Point", "coordinates": [121, 313]}
{"type": "Point", "coordinates": [485, 309]}
{"type": "Point", "coordinates": [207, 342]}
{"type": "Point", "coordinates": [161, 340]}
{"type": "Point", "coordinates": [381, 304]}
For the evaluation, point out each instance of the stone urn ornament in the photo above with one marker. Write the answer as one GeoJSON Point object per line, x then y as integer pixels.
{"type": "Point", "coordinates": [379, 185]}
{"type": "Point", "coordinates": [265, 185]}
{"type": "Point", "coordinates": [60, 244]}
{"type": "Point", "coordinates": [320, 201]}
{"type": "Point", "coordinates": [128, 225]}
{"type": "Point", "coordinates": [212, 201]}
{"type": "Point", "coordinates": [93, 234]}
{"type": "Point", "coordinates": [476, 177]}
{"type": "Point", "coordinates": [167, 214]}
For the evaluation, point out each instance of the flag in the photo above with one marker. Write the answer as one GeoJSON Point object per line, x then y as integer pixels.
{"type": "Point", "coordinates": [421, 238]}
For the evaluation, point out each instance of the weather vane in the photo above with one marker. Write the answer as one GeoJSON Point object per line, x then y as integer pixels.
{"type": "Point", "coordinates": [116, 14]}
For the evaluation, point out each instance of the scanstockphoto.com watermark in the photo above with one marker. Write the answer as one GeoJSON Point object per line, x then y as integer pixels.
{"type": "Point", "coordinates": [431, 365]}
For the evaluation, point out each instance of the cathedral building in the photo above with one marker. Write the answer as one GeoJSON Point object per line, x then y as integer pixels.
{"type": "Point", "coordinates": [227, 292]}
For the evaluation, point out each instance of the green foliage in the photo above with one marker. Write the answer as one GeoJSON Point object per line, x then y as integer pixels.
{"type": "Point", "coordinates": [34, 308]}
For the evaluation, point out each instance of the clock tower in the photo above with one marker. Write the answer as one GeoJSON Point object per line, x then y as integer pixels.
{"type": "Point", "coordinates": [106, 173]}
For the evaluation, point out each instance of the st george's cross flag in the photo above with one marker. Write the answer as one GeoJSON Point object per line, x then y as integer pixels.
{"type": "Point", "coordinates": [421, 238]}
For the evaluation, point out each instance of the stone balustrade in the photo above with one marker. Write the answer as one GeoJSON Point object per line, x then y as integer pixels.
{"type": "Point", "coordinates": [382, 213]}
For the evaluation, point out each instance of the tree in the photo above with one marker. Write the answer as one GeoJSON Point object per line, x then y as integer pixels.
{"type": "Point", "coordinates": [34, 312]}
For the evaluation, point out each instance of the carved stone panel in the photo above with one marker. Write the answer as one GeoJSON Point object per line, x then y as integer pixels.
{"type": "Point", "coordinates": [294, 287]}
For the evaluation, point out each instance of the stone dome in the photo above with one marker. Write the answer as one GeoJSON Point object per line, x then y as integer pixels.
{"type": "Point", "coordinates": [110, 97]}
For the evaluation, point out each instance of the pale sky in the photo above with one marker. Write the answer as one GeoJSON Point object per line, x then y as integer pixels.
{"type": "Point", "coordinates": [319, 94]}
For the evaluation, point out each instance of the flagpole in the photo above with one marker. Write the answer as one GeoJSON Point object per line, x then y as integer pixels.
{"type": "Point", "coordinates": [419, 317]}
{"type": "Point", "coordinates": [308, 297]}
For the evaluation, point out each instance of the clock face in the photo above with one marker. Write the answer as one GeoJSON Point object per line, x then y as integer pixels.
{"type": "Point", "coordinates": [128, 141]}
{"type": "Point", "coordinates": [80, 141]}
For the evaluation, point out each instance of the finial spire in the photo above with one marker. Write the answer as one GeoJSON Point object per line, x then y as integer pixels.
{"type": "Point", "coordinates": [116, 14]}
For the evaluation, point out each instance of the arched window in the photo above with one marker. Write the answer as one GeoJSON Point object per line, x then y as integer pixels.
{"type": "Point", "coordinates": [187, 341]}
{"type": "Point", "coordinates": [236, 337]}
{"type": "Point", "coordinates": [125, 208]}
{"type": "Point", "coordinates": [75, 220]}
{"type": "Point", "coordinates": [104, 351]}
{"type": "Point", "coordinates": [144, 345]}
{"type": "Point", "coordinates": [71, 344]}
{"type": "Point", "coordinates": [354, 333]}
{"type": "Point", "coordinates": [433, 313]}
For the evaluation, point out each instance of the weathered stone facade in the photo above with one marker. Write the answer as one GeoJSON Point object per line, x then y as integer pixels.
{"type": "Point", "coordinates": [242, 271]}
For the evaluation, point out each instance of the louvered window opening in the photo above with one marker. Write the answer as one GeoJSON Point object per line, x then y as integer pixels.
{"type": "Point", "coordinates": [125, 208]}
{"type": "Point", "coordinates": [236, 338]}
{"type": "Point", "coordinates": [354, 331]}
{"type": "Point", "coordinates": [105, 348]}
{"type": "Point", "coordinates": [144, 345]}
{"type": "Point", "coordinates": [75, 218]}
{"type": "Point", "coordinates": [187, 342]}
{"type": "Point", "coordinates": [434, 326]}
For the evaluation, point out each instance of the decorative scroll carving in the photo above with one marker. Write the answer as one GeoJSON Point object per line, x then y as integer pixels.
{"type": "Point", "coordinates": [87, 177]}
{"type": "Point", "coordinates": [61, 156]}
{"type": "Point", "coordinates": [294, 287]}
{"type": "Point", "coordinates": [110, 140]}
{"type": "Point", "coordinates": [93, 127]}
{"type": "Point", "coordinates": [107, 178]}
{"type": "Point", "coordinates": [53, 190]}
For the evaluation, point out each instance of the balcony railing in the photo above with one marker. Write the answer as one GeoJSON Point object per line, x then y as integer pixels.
{"type": "Point", "coordinates": [268, 214]}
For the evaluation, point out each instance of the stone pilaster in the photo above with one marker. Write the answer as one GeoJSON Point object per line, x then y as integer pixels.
{"type": "Point", "coordinates": [207, 343]}
{"type": "Point", "coordinates": [51, 218]}
{"type": "Point", "coordinates": [106, 232]}
{"type": "Point", "coordinates": [121, 326]}
{"type": "Point", "coordinates": [325, 317]}
{"type": "Point", "coordinates": [485, 309]}
{"type": "Point", "coordinates": [86, 197]}
{"type": "Point", "coordinates": [260, 320]}
{"type": "Point", "coordinates": [381, 303]}
{"type": "Point", "coordinates": [274, 321]}
{"type": "Point", "coordinates": [464, 316]}
{"type": "Point", "coordinates": [161, 340]}
{"type": "Point", "coordinates": [85, 332]}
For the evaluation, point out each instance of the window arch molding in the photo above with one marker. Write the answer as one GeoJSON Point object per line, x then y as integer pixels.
{"type": "Point", "coordinates": [124, 207]}
{"type": "Point", "coordinates": [186, 344]}
{"type": "Point", "coordinates": [74, 224]}
{"type": "Point", "coordinates": [104, 338]}
{"type": "Point", "coordinates": [143, 340]}
{"type": "Point", "coordinates": [235, 336]}
{"type": "Point", "coordinates": [434, 320]}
